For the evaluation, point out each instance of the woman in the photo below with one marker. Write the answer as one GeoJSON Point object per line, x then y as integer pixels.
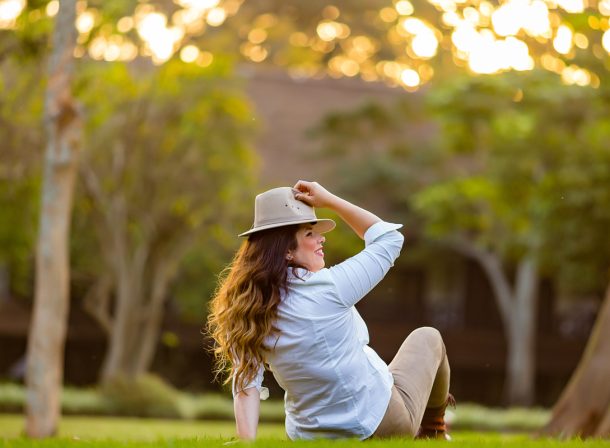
{"type": "Point", "coordinates": [278, 306]}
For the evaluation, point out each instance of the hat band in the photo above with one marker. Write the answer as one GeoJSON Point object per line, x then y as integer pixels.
{"type": "Point", "coordinates": [286, 220]}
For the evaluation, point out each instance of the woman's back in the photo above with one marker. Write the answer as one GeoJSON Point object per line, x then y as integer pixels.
{"type": "Point", "coordinates": [332, 379]}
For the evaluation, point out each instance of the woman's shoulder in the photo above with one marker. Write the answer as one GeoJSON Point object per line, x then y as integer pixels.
{"type": "Point", "coordinates": [314, 294]}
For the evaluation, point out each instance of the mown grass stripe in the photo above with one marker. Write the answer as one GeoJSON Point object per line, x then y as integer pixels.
{"type": "Point", "coordinates": [111, 432]}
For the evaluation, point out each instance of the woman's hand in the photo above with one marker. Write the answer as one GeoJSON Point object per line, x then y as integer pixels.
{"type": "Point", "coordinates": [314, 194]}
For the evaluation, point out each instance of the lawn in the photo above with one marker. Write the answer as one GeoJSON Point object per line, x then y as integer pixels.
{"type": "Point", "coordinates": [108, 432]}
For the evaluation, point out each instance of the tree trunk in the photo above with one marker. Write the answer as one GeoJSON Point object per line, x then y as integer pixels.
{"type": "Point", "coordinates": [125, 273]}
{"type": "Point", "coordinates": [518, 308]}
{"type": "Point", "coordinates": [521, 338]}
{"type": "Point", "coordinates": [136, 324]}
{"type": "Point", "coordinates": [134, 338]}
{"type": "Point", "coordinates": [51, 302]}
{"type": "Point", "coordinates": [152, 325]}
{"type": "Point", "coordinates": [583, 410]}
{"type": "Point", "coordinates": [124, 336]}
{"type": "Point", "coordinates": [124, 323]}
{"type": "Point", "coordinates": [5, 289]}
{"type": "Point", "coordinates": [130, 314]}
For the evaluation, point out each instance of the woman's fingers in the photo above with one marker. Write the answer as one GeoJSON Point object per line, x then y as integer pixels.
{"type": "Point", "coordinates": [312, 193]}
{"type": "Point", "coordinates": [304, 186]}
{"type": "Point", "coordinates": [305, 198]}
{"type": "Point", "coordinates": [307, 192]}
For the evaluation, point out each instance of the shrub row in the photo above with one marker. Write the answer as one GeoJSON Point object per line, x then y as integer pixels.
{"type": "Point", "coordinates": [150, 396]}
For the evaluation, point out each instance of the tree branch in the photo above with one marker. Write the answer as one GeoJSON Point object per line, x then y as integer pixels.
{"type": "Point", "coordinates": [96, 303]}
{"type": "Point", "coordinates": [92, 186]}
{"type": "Point", "coordinates": [492, 265]}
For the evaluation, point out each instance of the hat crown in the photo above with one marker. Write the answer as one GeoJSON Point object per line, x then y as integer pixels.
{"type": "Point", "coordinates": [280, 206]}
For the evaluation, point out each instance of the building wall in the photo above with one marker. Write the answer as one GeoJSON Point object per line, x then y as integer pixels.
{"type": "Point", "coordinates": [287, 108]}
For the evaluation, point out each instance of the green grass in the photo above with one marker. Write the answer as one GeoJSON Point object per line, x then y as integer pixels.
{"type": "Point", "coordinates": [467, 441]}
{"type": "Point", "coordinates": [127, 428]}
{"type": "Point", "coordinates": [106, 432]}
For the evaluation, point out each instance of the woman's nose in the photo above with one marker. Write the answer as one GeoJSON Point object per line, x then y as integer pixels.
{"type": "Point", "coordinates": [322, 239]}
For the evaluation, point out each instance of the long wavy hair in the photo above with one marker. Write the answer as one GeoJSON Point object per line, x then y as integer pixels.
{"type": "Point", "coordinates": [244, 307]}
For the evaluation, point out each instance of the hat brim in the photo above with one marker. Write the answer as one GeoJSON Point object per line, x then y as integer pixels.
{"type": "Point", "coordinates": [319, 225]}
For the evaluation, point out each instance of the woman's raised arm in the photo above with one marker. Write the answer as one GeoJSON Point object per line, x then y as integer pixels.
{"type": "Point", "coordinates": [316, 195]}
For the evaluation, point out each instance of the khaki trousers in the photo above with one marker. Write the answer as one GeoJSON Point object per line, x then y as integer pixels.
{"type": "Point", "coordinates": [421, 379]}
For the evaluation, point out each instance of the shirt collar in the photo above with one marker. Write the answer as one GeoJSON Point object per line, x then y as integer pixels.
{"type": "Point", "coordinates": [301, 274]}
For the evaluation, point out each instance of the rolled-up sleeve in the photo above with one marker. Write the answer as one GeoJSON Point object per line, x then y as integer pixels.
{"type": "Point", "coordinates": [356, 276]}
{"type": "Point", "coordinates": [257, 382]}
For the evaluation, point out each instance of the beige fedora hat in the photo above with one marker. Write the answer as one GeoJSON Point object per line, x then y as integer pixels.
{"type": "Point", "coordinates": [278, 207]}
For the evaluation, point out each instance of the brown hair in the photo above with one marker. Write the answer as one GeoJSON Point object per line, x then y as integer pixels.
{"type": "Point", "coordinates": [244, 307]}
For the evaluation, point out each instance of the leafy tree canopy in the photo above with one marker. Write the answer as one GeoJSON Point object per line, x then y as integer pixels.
{"type": "Point", "coordinates": [401, 42]}
{"type": "Point", "coordinates": [508, 162]}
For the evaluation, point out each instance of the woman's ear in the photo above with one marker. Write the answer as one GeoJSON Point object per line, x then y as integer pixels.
{"type": "Point", "coordinates": [289, 256]}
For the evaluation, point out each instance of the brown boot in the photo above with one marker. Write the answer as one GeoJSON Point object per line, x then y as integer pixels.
{"type": "Point", "coordinates": [433, 424]}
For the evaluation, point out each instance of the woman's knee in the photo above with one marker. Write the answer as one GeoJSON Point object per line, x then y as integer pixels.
{"type": "Point", "coordinates": [428, 335]}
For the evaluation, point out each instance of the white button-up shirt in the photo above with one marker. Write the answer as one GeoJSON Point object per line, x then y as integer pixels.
{"type": "Point", "coordinates": [336, 385]}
